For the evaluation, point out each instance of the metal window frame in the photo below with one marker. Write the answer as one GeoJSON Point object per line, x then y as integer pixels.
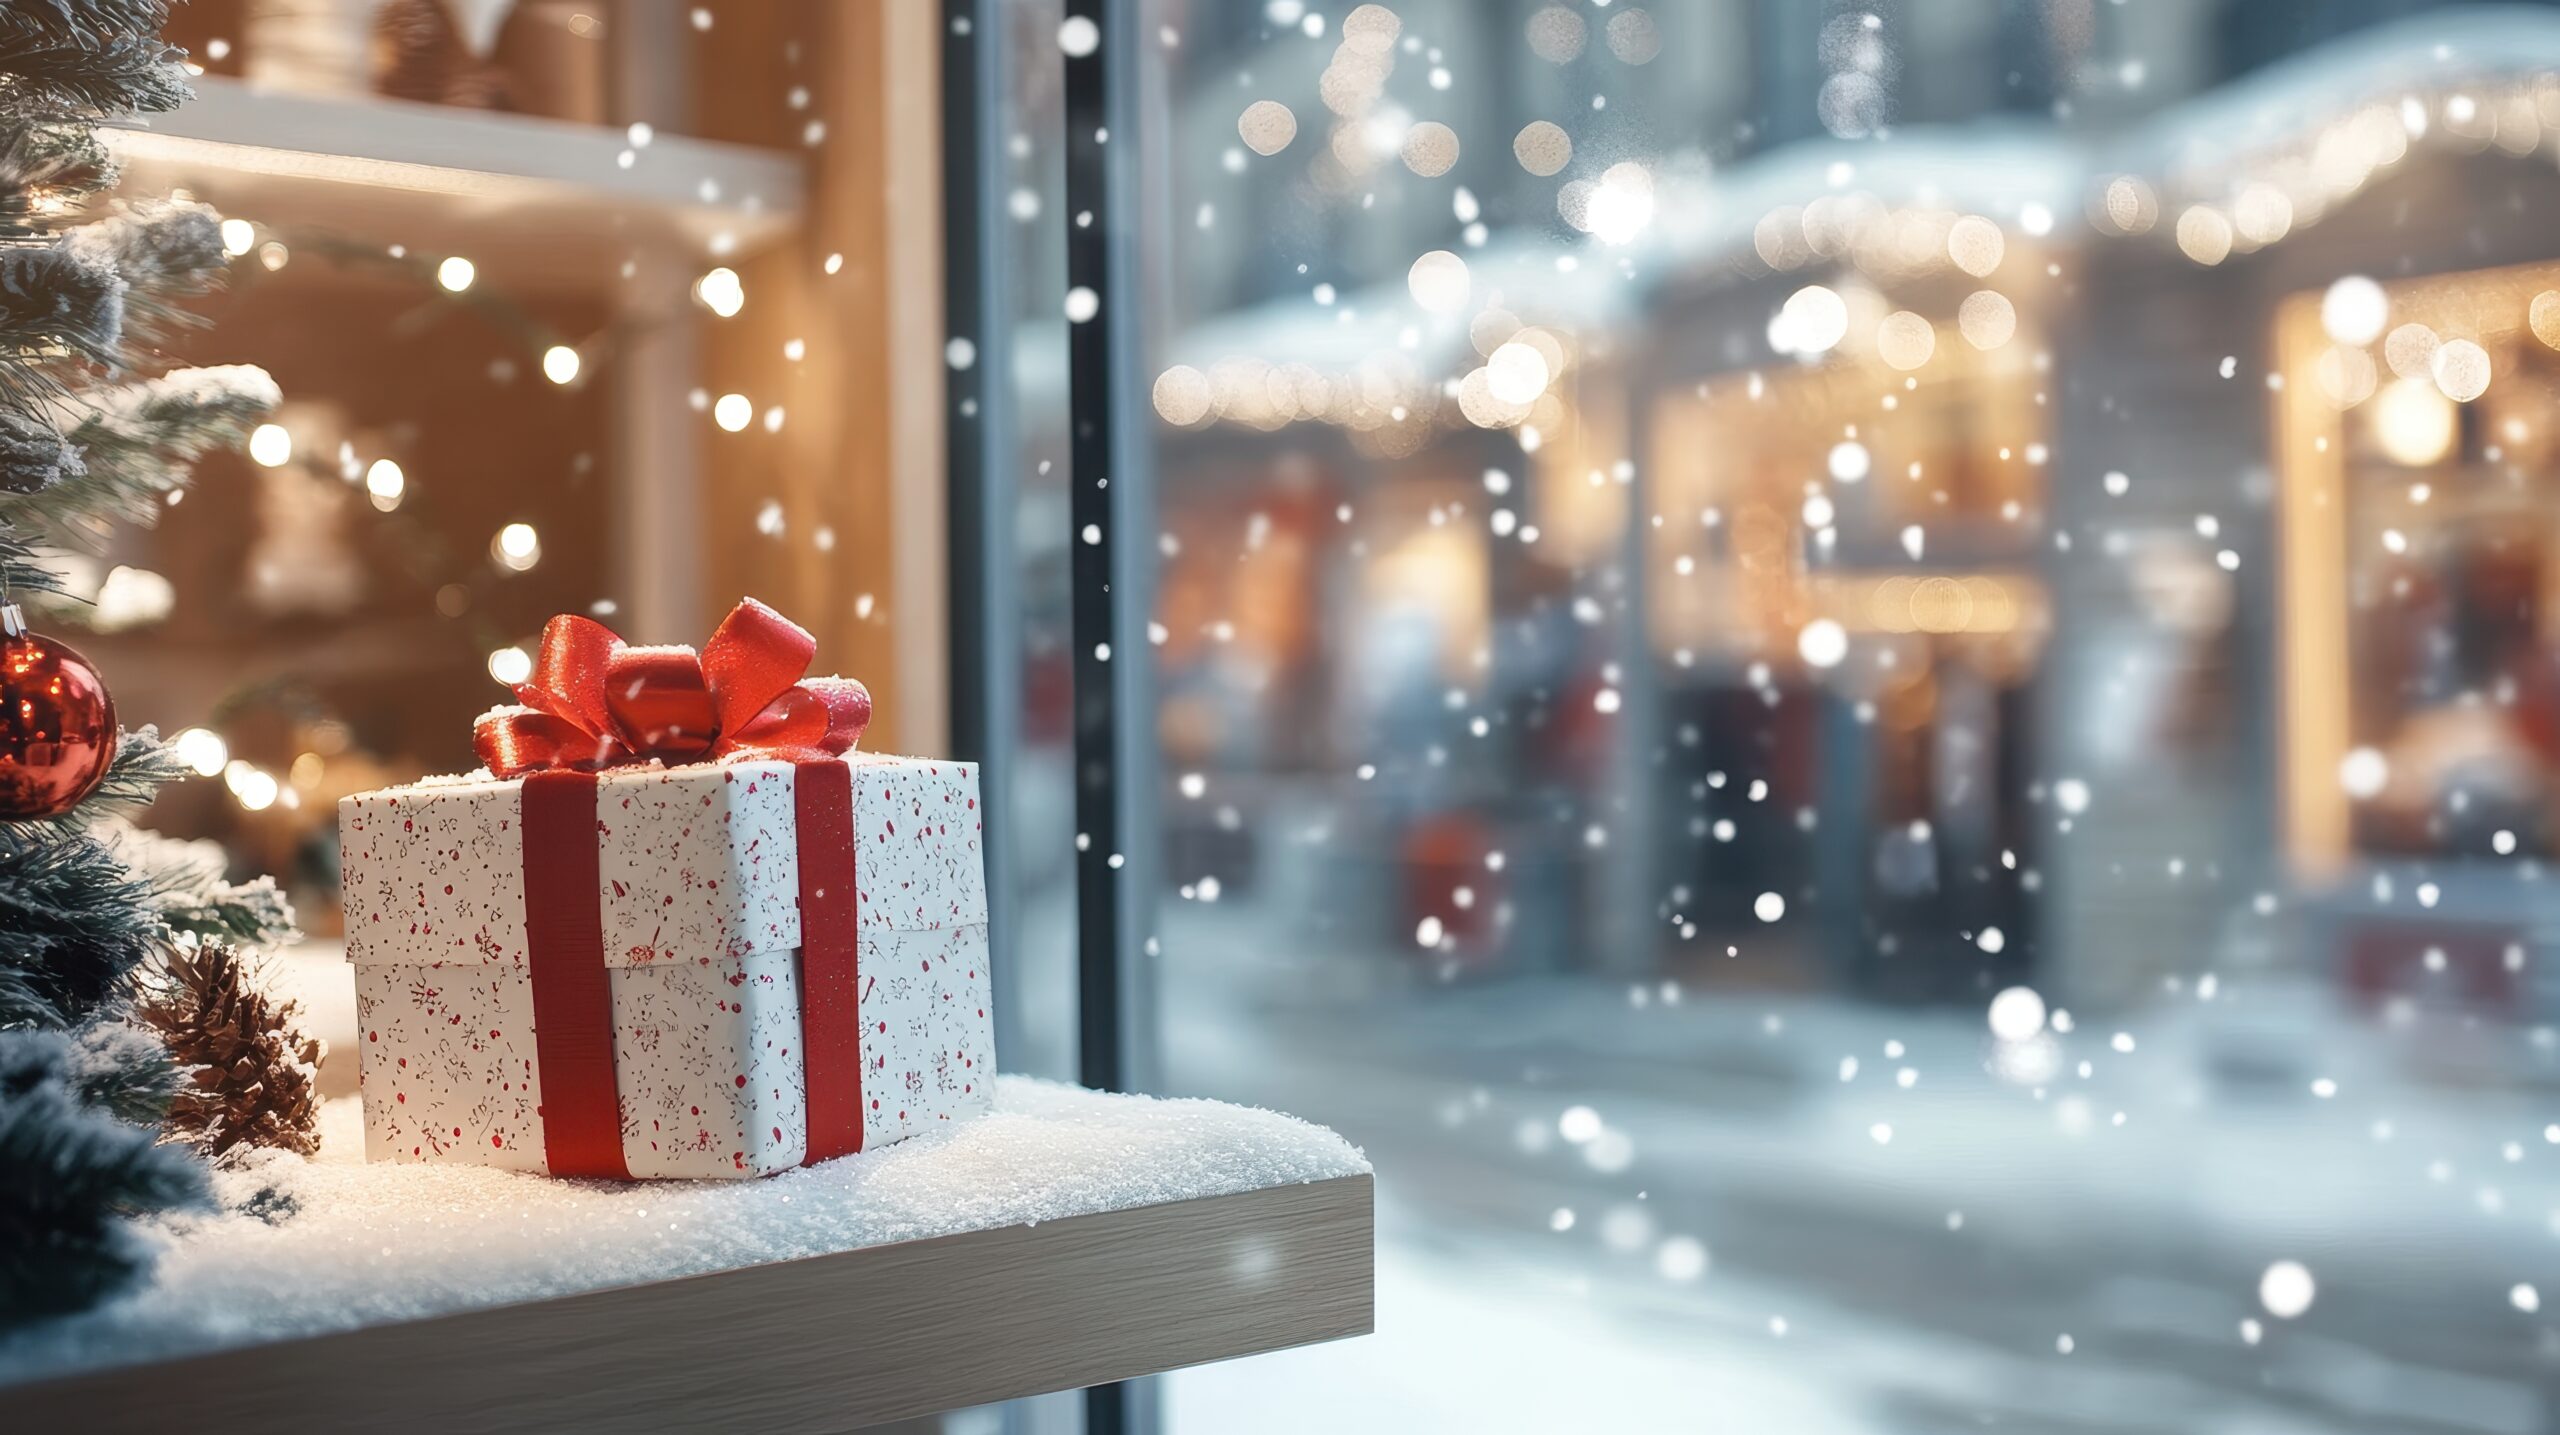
{"type": "Point", "coordinates": [984, 593]}
{"type": "Point", "coordinates": [1111, 575]}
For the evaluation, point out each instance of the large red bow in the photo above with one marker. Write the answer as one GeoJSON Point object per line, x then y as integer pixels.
{"type": "Point", "coordinates": [595, 702]}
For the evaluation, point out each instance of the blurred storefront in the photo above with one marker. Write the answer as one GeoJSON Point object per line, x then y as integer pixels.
{"type": "Point", "coordinates": [1915, 477]}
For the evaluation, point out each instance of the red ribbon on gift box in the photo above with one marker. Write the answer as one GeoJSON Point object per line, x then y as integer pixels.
{"type": "Point", "coordinates": [595, 703]}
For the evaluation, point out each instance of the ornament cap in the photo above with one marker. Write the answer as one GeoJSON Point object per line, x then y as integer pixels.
{"type": "Point", "coordinates": [13, 621]}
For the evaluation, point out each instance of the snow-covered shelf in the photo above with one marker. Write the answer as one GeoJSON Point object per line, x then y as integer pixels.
{"type": "Point", "coordinates": [540, 199]}
{"type": "Point", "coordinates": [1067, 1239]}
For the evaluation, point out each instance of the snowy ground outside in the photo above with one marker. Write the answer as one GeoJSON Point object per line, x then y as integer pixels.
{"type": "Point", "coordinates": [1617, 1208]}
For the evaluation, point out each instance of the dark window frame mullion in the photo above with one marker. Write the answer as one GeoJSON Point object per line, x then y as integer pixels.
{"type": "Point", "coordinates": [1109, 568]}
{"type": "Point", "coordinates": [984, 590]}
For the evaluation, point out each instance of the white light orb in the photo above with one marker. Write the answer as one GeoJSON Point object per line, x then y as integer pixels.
{"type": "Point", "coordinates": [456, 274]}
{"type": "Point", "coordinates": [1987, 319]}
{"type": "Point", "coordinates": [386, 483]}
{"type": "Point", "coordinates": [1621, 205]}
{"type": "Point", "coordinates": [1517, 373]}
{"type": "Point", "coordinates": [1439, 282]}
{"type": "Point", "coordinates": [2354, 310]}
{"type": "Point", "coordinates": [1905, 340]}
{"type": "Point", "coordinates": [2204, 234]}
{"type": "Point", "coordinates": [2017, 1014]}
{"type": "Point", "coordinates": [1769, 906]}
{"type": "Point", "coordinates": [2414, 422]}
{"type": "Point", "coordinates": [1430, 149]}
{"type": "Point", "coordinates": [2410, 350]}
{"type": "Point", "coordinates": [560, 364]}
{"type": "Point", "coordinates": [2287, 1289]}
{"type": "Point", "coordinates": [202, 750]}
{"type": "Point", "coordinates": [1813, 321]}
{"type": "Point", "coordinates": [1184, 395]}
{"type": "Point", "coordinates": [1976, 245]}
{"type": "Point", "coordinates": [1542, 148]}
{"type": "Point", "coordinates": [1822, 643]}
{"type": "Point", "coordinates": [721, 292]}
{"type": "Point", "coordinates": [517, 547]}
{"type": "Point", "coordinates": [733, 412]}
{"type": "Point", "coordinates": [1850, 462]}
{"type": "Point", "coordinates": [271, 445]}
{"type": "Point", "coordinates": [2461, 369]}
{"type": "Point", "coordinates": [1267, 127]}
{"type": "Point", "coordinates": [511, 665]}
{"type": "Point", "coordinates": [2543, 316]}
{"type": "Point", "coordinates": [2364, 772]}
{"type": "Point", "coordinates": [254, 787]}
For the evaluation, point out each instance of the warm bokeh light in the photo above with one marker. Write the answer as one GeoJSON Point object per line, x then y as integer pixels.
{"type": "Point", "coordinates": [271, 445]}
{"type": "Point", "coordinates": [516, 547]}
{"type": "Point", "coordinates": [254, 787]}
{"type": "Point", "coordinates": [385, 484]}
{"type": "Point", "coordinates": [2204, 234]}
{"type": "Point", "coordinates": [721, 292]}
{"type": "Point", "coordinates": [201, 749]}
{"type": "Point", "coordinates": [2414, 422]}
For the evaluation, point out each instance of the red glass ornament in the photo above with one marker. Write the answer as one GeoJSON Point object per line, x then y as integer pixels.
{"type": "Point", "coordinates": [57, 723]}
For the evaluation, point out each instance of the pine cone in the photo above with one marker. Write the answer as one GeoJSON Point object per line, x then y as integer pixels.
{"type": "Point", "coordinates": [252, 1078]}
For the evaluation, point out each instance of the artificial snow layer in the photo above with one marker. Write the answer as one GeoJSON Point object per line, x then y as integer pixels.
{"type": "Point", "coordinates": [370, 1243]}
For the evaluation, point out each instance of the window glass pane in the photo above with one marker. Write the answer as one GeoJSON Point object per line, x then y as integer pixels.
{"type": "Point", "coordinates": [1026, 476]}
{"type": "Point", "coordinates": [1869, 688]}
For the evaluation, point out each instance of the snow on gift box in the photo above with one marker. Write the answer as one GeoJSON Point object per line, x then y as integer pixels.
{"type": "Point", "coordinates": [677, 928]}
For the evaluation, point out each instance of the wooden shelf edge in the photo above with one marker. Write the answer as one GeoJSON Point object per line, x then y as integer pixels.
{"type": "Point", "coordinates": [537, 202]}
{"type": "Point", "coordinates": [403, 144]}
{"type": "Point", "coordinates": [826, 1343]}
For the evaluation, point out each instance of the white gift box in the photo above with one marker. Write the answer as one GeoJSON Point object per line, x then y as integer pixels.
{"type": "Point", "coordinates": [697, 874]}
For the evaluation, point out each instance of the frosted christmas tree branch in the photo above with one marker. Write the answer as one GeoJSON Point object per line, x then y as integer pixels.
{"type": "Point", "coordinates": [143, 765]}
{"type": "Point", "coordinates": [188, 887]}
{"type": "Point", "coordinates": [42, 167]}
{"type": "Point", "coordinates": [71, 1173]}
{"type": "Point", "coordinates": [163, 250]}
{"type": "Point", "coordinates": [22, 570]}
{"type": "Point", "coordinates": [73, 926]}
{"type": "Point", "coordinates": [58, 298]}
{"type": "Point", "coordinates": [137, 443]}
{"type": "Point", "coordinates": [87, 59]}
{"type": "Point", "coordinates": [81, 909]}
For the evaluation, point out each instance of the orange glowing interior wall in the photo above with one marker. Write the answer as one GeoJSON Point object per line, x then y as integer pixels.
{"type": "Point", "coordinates": [2312, 606]}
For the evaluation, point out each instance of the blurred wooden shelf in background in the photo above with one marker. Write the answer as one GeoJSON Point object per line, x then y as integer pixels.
{"type": "Point", "coordinates": [535, 203]}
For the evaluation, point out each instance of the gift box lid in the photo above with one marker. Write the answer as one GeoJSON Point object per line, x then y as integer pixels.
{"type": "Point", "coordinates": [693, 862]}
